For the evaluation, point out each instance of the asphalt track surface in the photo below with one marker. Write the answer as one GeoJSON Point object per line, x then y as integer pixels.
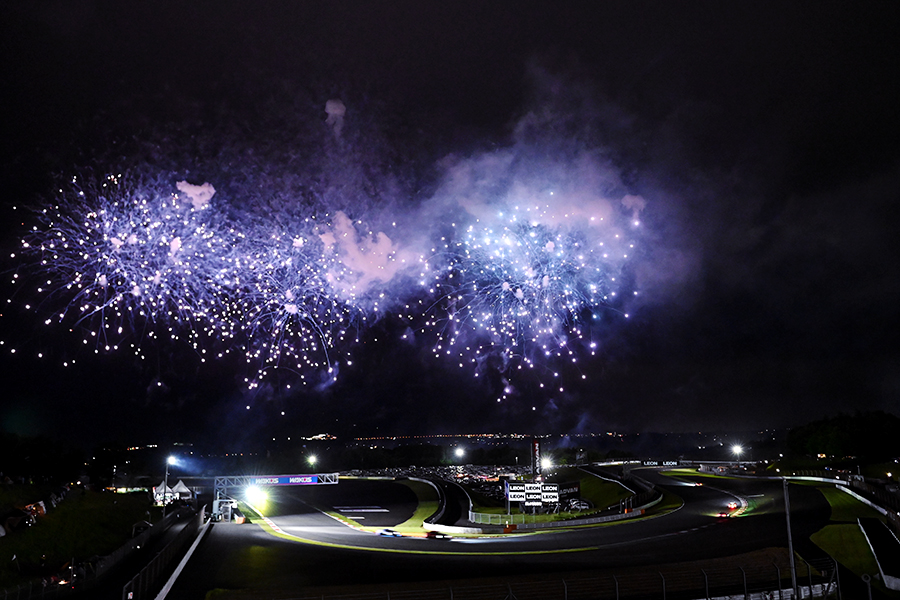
{"type": "Point", "coordinates": [314, 549]}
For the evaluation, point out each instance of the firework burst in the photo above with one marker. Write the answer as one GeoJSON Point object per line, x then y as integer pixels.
{"type": "Point", "coordinates": [526, 284]}
{"type": "Point", "coordinates": [119, 256]}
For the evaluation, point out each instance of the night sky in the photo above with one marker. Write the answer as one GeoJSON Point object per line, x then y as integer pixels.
{"type": "Point", "coordinates": [750, 152]}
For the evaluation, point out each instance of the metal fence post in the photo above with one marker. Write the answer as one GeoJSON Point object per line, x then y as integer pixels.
{"type": "Point", "coordinates": [705, 582]}
{"type": "Point", "coordinates": [809, 575]}
{"type": "Point", "coordinates": [744, 573]}
{"type": "Point", "coordinates": [664, 584]}
{"type": "Point", "coordinates": [837, 574]}
{"type": "Point", "coordinates": [616, 579]}
{"type": "Point", "coordinates": [778, 571]}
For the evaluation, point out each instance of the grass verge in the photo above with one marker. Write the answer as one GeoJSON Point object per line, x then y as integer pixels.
{"type": "Point", "coordinates": [847, 545]}
{"type": "Point", "coordinates": [845, 507]}
{"type": "Point", "coordinates": [428, 505]}
{"type": "Point", "coordinates": [83, 525]}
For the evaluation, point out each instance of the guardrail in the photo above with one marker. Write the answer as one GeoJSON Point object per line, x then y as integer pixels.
{"type": "Point", "coordinates": [148, 580]}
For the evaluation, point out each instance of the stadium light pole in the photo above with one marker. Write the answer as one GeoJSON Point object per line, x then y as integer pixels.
{"type": "Point", "coordinates": [170, 460]}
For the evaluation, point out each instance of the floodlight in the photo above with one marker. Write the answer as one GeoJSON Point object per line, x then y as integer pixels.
{"type": "Point", "coordinates": [255, 495]}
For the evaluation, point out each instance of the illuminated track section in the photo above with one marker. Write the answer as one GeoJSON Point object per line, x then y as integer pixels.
{"type": "Point", "coordinates": [693, 514]}
{"type": "Point", "coordinates": [277, 531]}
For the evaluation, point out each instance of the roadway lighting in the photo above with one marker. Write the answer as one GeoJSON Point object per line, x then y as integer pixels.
{"type": "Point", "coordinates": [255, 495]}
{"type": "Point", "coordinates": [171, 460]}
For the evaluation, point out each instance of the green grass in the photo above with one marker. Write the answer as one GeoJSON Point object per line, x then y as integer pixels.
{"type": "Point", "coordinates": [599, 492]}
{"type": "Point", "coordinates": [847, 545]}
{"type": "Point", "coordinates": [18, 496]}
{"type": "Point", "coordinates": [845, 507]}
{"type": "Point", "coordinates": [668, 503]}
{"type": "Point", "coordinates": [428, 505]}
{"type": "Point", "coordinates": [83, 525]}
{"type": "Point", "coordinates": [844, 540]}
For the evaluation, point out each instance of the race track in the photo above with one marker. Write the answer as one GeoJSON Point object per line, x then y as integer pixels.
{"type": "Point", "coordinates": [309, 548]}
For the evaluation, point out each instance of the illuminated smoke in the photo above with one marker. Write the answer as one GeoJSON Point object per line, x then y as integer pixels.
{"type": "Point", "coordinates": [526, 272]}
{"type": "Point", "coordinates": [358, 261]}
{"type": "Point", "coordinates": [335, 110]}
{"type": "Point", "coordinates": [198, 195]}
{"type": "Point", "coordinates": [514, 264]}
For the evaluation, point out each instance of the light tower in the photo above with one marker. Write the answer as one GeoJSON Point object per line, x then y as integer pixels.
{"type": "Point", "coordinates": [171, 460]}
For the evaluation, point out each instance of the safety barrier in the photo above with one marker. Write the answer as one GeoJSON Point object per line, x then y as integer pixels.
{"type": "Point", "coordinates": [145, 583]}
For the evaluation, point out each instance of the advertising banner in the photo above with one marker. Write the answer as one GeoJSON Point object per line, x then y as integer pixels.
{"type": "Point", "coordinates": [550, 493]}
{"type": "Point", "coordinates": [570, 490]}
{"type": "Point", "coordinates": [515, 491]}
{"type": "Point", "coordinates": [532, 494]}
{"type": "Point", "coordinates": [285, 480]}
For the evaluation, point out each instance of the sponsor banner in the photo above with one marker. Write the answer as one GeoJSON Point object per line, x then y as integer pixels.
{"type": "Point", "coordinates": [285, 480]}
{"type": "Point", "coordinates": [571, 490]}
{"type": "Point", "coordinates": [515, 491]}
{"type": "Point", "coordinates": [532, 494]}
{"type": "Point", "coordinates": [660, 463]}
{"type": "Point", "coordinates": [550, 493]}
